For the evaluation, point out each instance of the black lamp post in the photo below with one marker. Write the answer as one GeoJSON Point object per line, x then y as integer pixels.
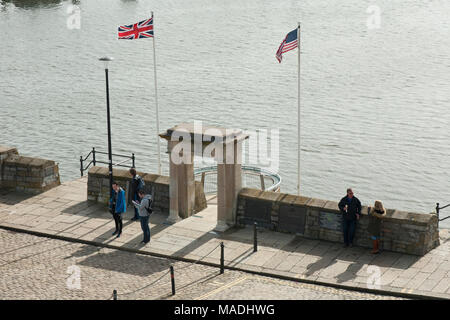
{"type": "Point", "coordinates": [106, 60]}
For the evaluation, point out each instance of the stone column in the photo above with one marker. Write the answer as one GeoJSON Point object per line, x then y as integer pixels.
{"type": "Point", "coordinates": [221, 199]}
{"type": "Point", "coordinates": [229, 183]}
{"type": "Point", "coordinates": [173, 187]}
{"type": "Point", "coordinates": [182, 186]}
{"type": "Point", "coordinates": [186, 189]}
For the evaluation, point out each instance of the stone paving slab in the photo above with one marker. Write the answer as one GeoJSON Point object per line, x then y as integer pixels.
{"type": "Point", "coordinates": [64, 211]}
{"type": "Point", "coordinates": [38, 268]}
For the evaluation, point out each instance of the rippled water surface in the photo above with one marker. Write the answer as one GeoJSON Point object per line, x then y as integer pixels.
{"type": "Point", "coordinates": [374, 102]}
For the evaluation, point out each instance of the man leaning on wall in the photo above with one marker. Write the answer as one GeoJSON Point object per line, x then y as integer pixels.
{"type": "Point", "coordinates": [350, 207]}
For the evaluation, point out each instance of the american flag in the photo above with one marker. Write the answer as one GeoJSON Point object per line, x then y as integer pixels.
{"type": "Point", "coordinates": [140, 30]}
{"type": "Point", "coordinates": [289, 43]}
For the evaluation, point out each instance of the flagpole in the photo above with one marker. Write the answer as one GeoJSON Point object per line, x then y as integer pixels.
{"type": "Point", "coordinates": [298, 113]}
{"type": "Point", "coordinates": [156, 100]}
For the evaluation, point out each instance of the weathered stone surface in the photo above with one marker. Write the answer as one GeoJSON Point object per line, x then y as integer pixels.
{"type": "Point", "coordinates": [26, 174]}
{"type": "Point", "coordinates": [200, 198]}
{"type": "Point", "coordinates": [301, 200]}
{"type": "Point", "coordinates": [250, 193]}
{"type": "Point", "coordinates": [316, 203]}
{"type": "Point", "coordinates": [8, 150]}
{"type": "Point", "coordinates": [98, 187]}
{"type": "Point", "coordinates": [332, 205]}
{"type": "Point", "coordinates": [405, 232]}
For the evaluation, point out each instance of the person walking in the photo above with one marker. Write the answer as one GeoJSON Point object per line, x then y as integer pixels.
{"type": "Point", "coordinates": [118, 206]}
{"type": "Point", "coordinates": [145, 209]}
{"type": "Point", "coordinates": [350, 207]}
{"type": "Point", "coordinates": [136, 185]}
{"type": "Point", "coordinates": [376, 215]}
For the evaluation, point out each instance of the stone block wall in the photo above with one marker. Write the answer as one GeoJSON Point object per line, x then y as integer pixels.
{"type": "Point", "coordinates": [5, 152]}
{"type": "Point", "coordinates": [405, 232]}
{"type": "Point", "coordinates": [26, 174]}
{"type": "Point", "coordinates": [158, 185]}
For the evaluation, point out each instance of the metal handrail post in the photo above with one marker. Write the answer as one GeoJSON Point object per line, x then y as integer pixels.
{"type": "Point", "coordinates": [222, 258]}
{"type": "Point", "coordinates": [437, 213]}
{"type": "Point", "coordinates": [93, 156]}
{"type": "Point", "coordinates": [255, 237]}
{"type": "Point", "coordinates": [172, 279]}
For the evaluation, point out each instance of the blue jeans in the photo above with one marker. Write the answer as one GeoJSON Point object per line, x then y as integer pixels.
{"type": "Point", "coordinates": [136, 211]}
{"type": "Point", "coordinates": [145, 228]}
{"type": "Point", "coordinates": [349, 230]}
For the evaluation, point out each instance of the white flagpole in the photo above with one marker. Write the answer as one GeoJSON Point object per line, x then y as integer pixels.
{"type": "Point", "coordinates": [298, 113]}
{"type": "Point", "coordinates": [156, 99]}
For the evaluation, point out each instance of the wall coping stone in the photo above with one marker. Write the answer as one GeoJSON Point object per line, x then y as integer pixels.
{"type": "Point", "coordinates": [271, 196]}
{"type": "Point", "coordinates": [317, 203]}
{"type": "Point", "coordinates": [148, 177]}
{"type": "Point", "coordinates": [6, 149]}
{"type": "Point", "coordinates": [392, 215]}
{"type": "Point", "coordinates": [28, 161]}
{"type": "Point", "coordinates": [94, 170]}
{"type": "Point", "coordinates": [163, 180]}
{"type": "Point", "coordinates": [121, 174]}
{"type": "Point", "coordinates": [287, 199]}
{"type": "Point", "coordinates": [250, 193]}
{"type": "Point", "coordinates": [301, 201]}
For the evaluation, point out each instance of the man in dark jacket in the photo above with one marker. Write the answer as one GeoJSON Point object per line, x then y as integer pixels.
{"type": "Point", "coordinates": [136, 185]}
{"type": "Point", "coordinates": [350, 207]}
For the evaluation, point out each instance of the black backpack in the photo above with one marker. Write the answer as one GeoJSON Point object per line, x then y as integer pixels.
{"type": "Point", "coordinates": [140, 183]}
{"type": "Point", "coordinates": [150, 207]}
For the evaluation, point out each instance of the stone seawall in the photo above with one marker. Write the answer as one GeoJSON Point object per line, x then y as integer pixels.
{"type": "Point", "coordinates": [26, 174]}
{"type": "Point", "coordinates": [158, 185]}
{"type": "Point", "coordinates": [404, 232]}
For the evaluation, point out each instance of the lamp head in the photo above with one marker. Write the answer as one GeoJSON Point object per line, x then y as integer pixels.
{"type": "Point", "coordinates": [106, 61]}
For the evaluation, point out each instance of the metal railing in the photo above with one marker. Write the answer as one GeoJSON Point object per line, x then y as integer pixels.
{"type": "Point", "coordinates": [200, 260]}
{"type": "Point", "coordinates": [252, 177]}
{"type": "Point", "coordinates": [438, 210]}
{"type": "Point", "coordinates": [94, 160]}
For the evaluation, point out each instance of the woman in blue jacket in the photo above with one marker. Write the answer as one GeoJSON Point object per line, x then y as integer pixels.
{"type": "Point", "coordinates": [118, 206]}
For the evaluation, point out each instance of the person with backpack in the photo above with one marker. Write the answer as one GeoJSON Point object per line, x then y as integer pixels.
{"type": "Point", "coordinates": [137, 184]}
{"type": "Point", "coordinates": [144, 208]}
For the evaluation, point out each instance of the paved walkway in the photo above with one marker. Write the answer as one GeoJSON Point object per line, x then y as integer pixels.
{"type": "Point", "coordinates": [39, 268]}
{"type": "Point", "coordinates": [65, 212]}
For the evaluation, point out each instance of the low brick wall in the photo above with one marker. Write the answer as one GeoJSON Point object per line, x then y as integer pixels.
{"type": "Point", "coordinates": [27, 174]}
{"type": "Point", "coordinates": [158, 185]}
{"type": "Point", "coordinates": [404, 232]}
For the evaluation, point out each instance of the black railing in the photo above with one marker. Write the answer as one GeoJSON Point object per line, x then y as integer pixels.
{"type": "Point", "coordinates": [438, 210]}
{"type": "Point", "coordinates": [94, 160]}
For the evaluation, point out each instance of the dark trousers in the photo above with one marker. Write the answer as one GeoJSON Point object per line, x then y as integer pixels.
{"type": "Point", "coordinates": [145, 228]}
{"type": "Point", "coordinates": [136, 211]}
{"type": "Point", "coordinates": [118, 221]}
{"type": "Point", "coordinates": [349, 230]}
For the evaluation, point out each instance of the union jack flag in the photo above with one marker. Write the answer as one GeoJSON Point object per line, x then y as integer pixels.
{"type": "Point", "coordinates": [289, 43]}
{"type": "Point", "coordinates": [140, 30]}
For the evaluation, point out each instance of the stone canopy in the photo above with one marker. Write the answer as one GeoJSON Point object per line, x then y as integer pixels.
{"type": "Point", "coordinates": [225, 146]}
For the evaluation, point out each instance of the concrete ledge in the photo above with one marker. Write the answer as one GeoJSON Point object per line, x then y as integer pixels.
{"type": "Point", "coordinates": [21, 161]}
